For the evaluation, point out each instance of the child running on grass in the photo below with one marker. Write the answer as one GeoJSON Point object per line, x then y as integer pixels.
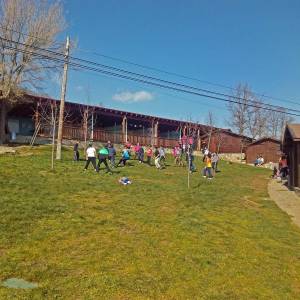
{"type": "Point", "coordinates": [190, 159]}
{"type": "Point", "coordinates": [149, 153]}
{"type": "Point", "coordinates": [112, 154]}
{"type": "Point", "coordinates": [215, 160]}
{"type": "Point", "coordinates": [162, 156]}
{"type": "Point", "coordinates": [136, 150]}
{"type": "Point", "coordinates": [125, 157]}
{"type": "Point", "coordinates": [207, 171]}
{"type": "Point", "coordinates": [90, 157]}
{"type": "Point", "coordinates": [141, 154]}
{"type": "Point", "coordinates": [157, 158]}
{"type": "Point", "coordinates": [102, 158]}
{"type": "Point", "coordinates": [76, 152]}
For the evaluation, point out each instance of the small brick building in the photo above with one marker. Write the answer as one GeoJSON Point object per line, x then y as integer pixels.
{"type": "Point", "coordinates": [269, 148]}
{"type": "Point", "coordinates": [226, 141]}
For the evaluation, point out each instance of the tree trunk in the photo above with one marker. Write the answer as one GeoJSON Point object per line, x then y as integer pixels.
{"type": "Point", "coordinates": [209, 140]}
{"type": "Point", "coordinates": [3, 117]}
{"type": "Point", "coordinates": [219, 146]}
{"type": "Point", "coordinates": [242, 148]}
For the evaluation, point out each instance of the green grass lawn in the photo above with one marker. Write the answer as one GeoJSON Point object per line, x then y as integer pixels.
{"type": "Point", "coordinates": [81, 235]}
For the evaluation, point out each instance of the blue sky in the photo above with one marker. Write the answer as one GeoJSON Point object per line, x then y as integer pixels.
{"type": "Point", "coordinates": [224, 42]}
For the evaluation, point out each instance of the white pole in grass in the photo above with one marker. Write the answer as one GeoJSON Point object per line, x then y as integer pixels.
{"type": "Point", "coordinates": [188, 166]}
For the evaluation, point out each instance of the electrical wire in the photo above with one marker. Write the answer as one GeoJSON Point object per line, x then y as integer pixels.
{"type": "Point", "coordinates": [155, 78]}
{"type": "Point", "coordinates": [157, 69]}
{"type": "Point", "coordinates": [181, 75]}
{"type": "Point", "coordinates": [113, 74]}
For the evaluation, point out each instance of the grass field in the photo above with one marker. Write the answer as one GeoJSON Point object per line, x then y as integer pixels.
{"type": "Point", "coordinates": [84, 236]}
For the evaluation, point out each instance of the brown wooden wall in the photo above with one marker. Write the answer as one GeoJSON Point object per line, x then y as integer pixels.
{"type": "Point", "coordinates": [270, 151]}
{"type": "Point", "coordinates": [100, 135]}
{"type": "Point", "coordinates": [292, 149]}
{"type": "Point", "coordinates": [229, 143]}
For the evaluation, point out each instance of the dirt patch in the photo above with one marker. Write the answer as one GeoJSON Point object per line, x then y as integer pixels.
{"type": "Point", "coordinates": [6, 150]}
{"type": "Point", "coordinates": [286, 200]}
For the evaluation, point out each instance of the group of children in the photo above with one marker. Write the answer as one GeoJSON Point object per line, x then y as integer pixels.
{"type": "Point", "coordinates": [103, 155]}
{"type": "Point", "coordinates": [211, 164]}
{"type": "Point", "coordinates": [107, 155]}
{"type": "Point", "coordinates": [158, 155]}
{"type": "Point", "coordinates": [259, 161]}
{"type": "Point", "coordinates": [182, 154]}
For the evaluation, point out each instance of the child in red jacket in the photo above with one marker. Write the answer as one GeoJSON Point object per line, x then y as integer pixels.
{"type": "Point", "coordinates": [149, 153]}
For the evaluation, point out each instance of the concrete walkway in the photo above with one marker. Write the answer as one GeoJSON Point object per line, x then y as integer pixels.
{"type": "Point", "coordinates": [287, 200]}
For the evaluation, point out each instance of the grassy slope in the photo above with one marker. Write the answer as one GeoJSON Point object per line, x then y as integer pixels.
{"type": "Point", "coordinates": [83, 236]}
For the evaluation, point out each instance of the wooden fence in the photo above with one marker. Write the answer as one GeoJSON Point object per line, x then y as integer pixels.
{"type": "Point", "coordinates": [99, 135]}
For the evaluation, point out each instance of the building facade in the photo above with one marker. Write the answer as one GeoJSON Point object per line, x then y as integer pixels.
{"type": "Point", "coordinates": [291, 147]}
{"type": "Point", "coordinates": [97, 123]}
{"type": "Point", "coordinates": [268, 148]}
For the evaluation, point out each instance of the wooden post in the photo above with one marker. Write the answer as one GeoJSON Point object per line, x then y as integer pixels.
{"type": "Point", "coordinates": [152, 133]}
{"type": "Point", "coordinates": [124, 129]}
{"type": "Point", "coordinates": [198, 140]}
{"type": "Point", "coordinates": [188, 165]}
{"type": "Point", "coordinates": [156, 133]}
{"type": "Point", "coordinates": [179, 138]}
{"type": "Point", "coordinates": [62, 101]}
{"type": "Point", "coordinates": [36, 116]}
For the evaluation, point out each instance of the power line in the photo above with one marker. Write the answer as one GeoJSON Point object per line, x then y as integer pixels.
{"type": "Point", "coordinates": [109, 73]}
{"type": "Point", "coordinates": [158, 70]}
{"type": "Point", "coordinates": [146, 82]}
{"type": "Point", "coordinates": [184, 86]}
{"type": "Point", "coordinates": [182, 76]}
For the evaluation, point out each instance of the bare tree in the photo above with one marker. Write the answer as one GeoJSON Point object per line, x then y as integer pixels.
{"type": "Point", "coordinates": [47, 115]}
{"type": "Point", "coordinates": [276, 122]}
{"type": "Point", "coordinates": [219, 139]}
{"type": "Point", "coordinates": [88, 119]}
{"type": "Point", "coordinates": [238, 110]}
{"type": "Point", "coordinates": [26, 26]}
{"type": "Point", "coordinates": [210, 122]}
{"type": "Point", "coordinates": [46, 112]}
{"type": "Point", "coordinates": [256, 119]}
{"type": "Point", "coordinates": [273, 124]}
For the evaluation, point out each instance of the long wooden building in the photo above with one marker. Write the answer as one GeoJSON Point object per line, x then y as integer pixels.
{"type": "Point", "coordinates": [101, 124]}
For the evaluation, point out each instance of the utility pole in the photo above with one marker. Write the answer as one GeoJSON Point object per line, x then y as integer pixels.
{"type": "Point", "coordinates": [62, 100]}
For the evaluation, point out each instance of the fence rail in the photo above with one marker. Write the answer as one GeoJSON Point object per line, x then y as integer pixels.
{"type": "Point", "coordinates": [99, 135]}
